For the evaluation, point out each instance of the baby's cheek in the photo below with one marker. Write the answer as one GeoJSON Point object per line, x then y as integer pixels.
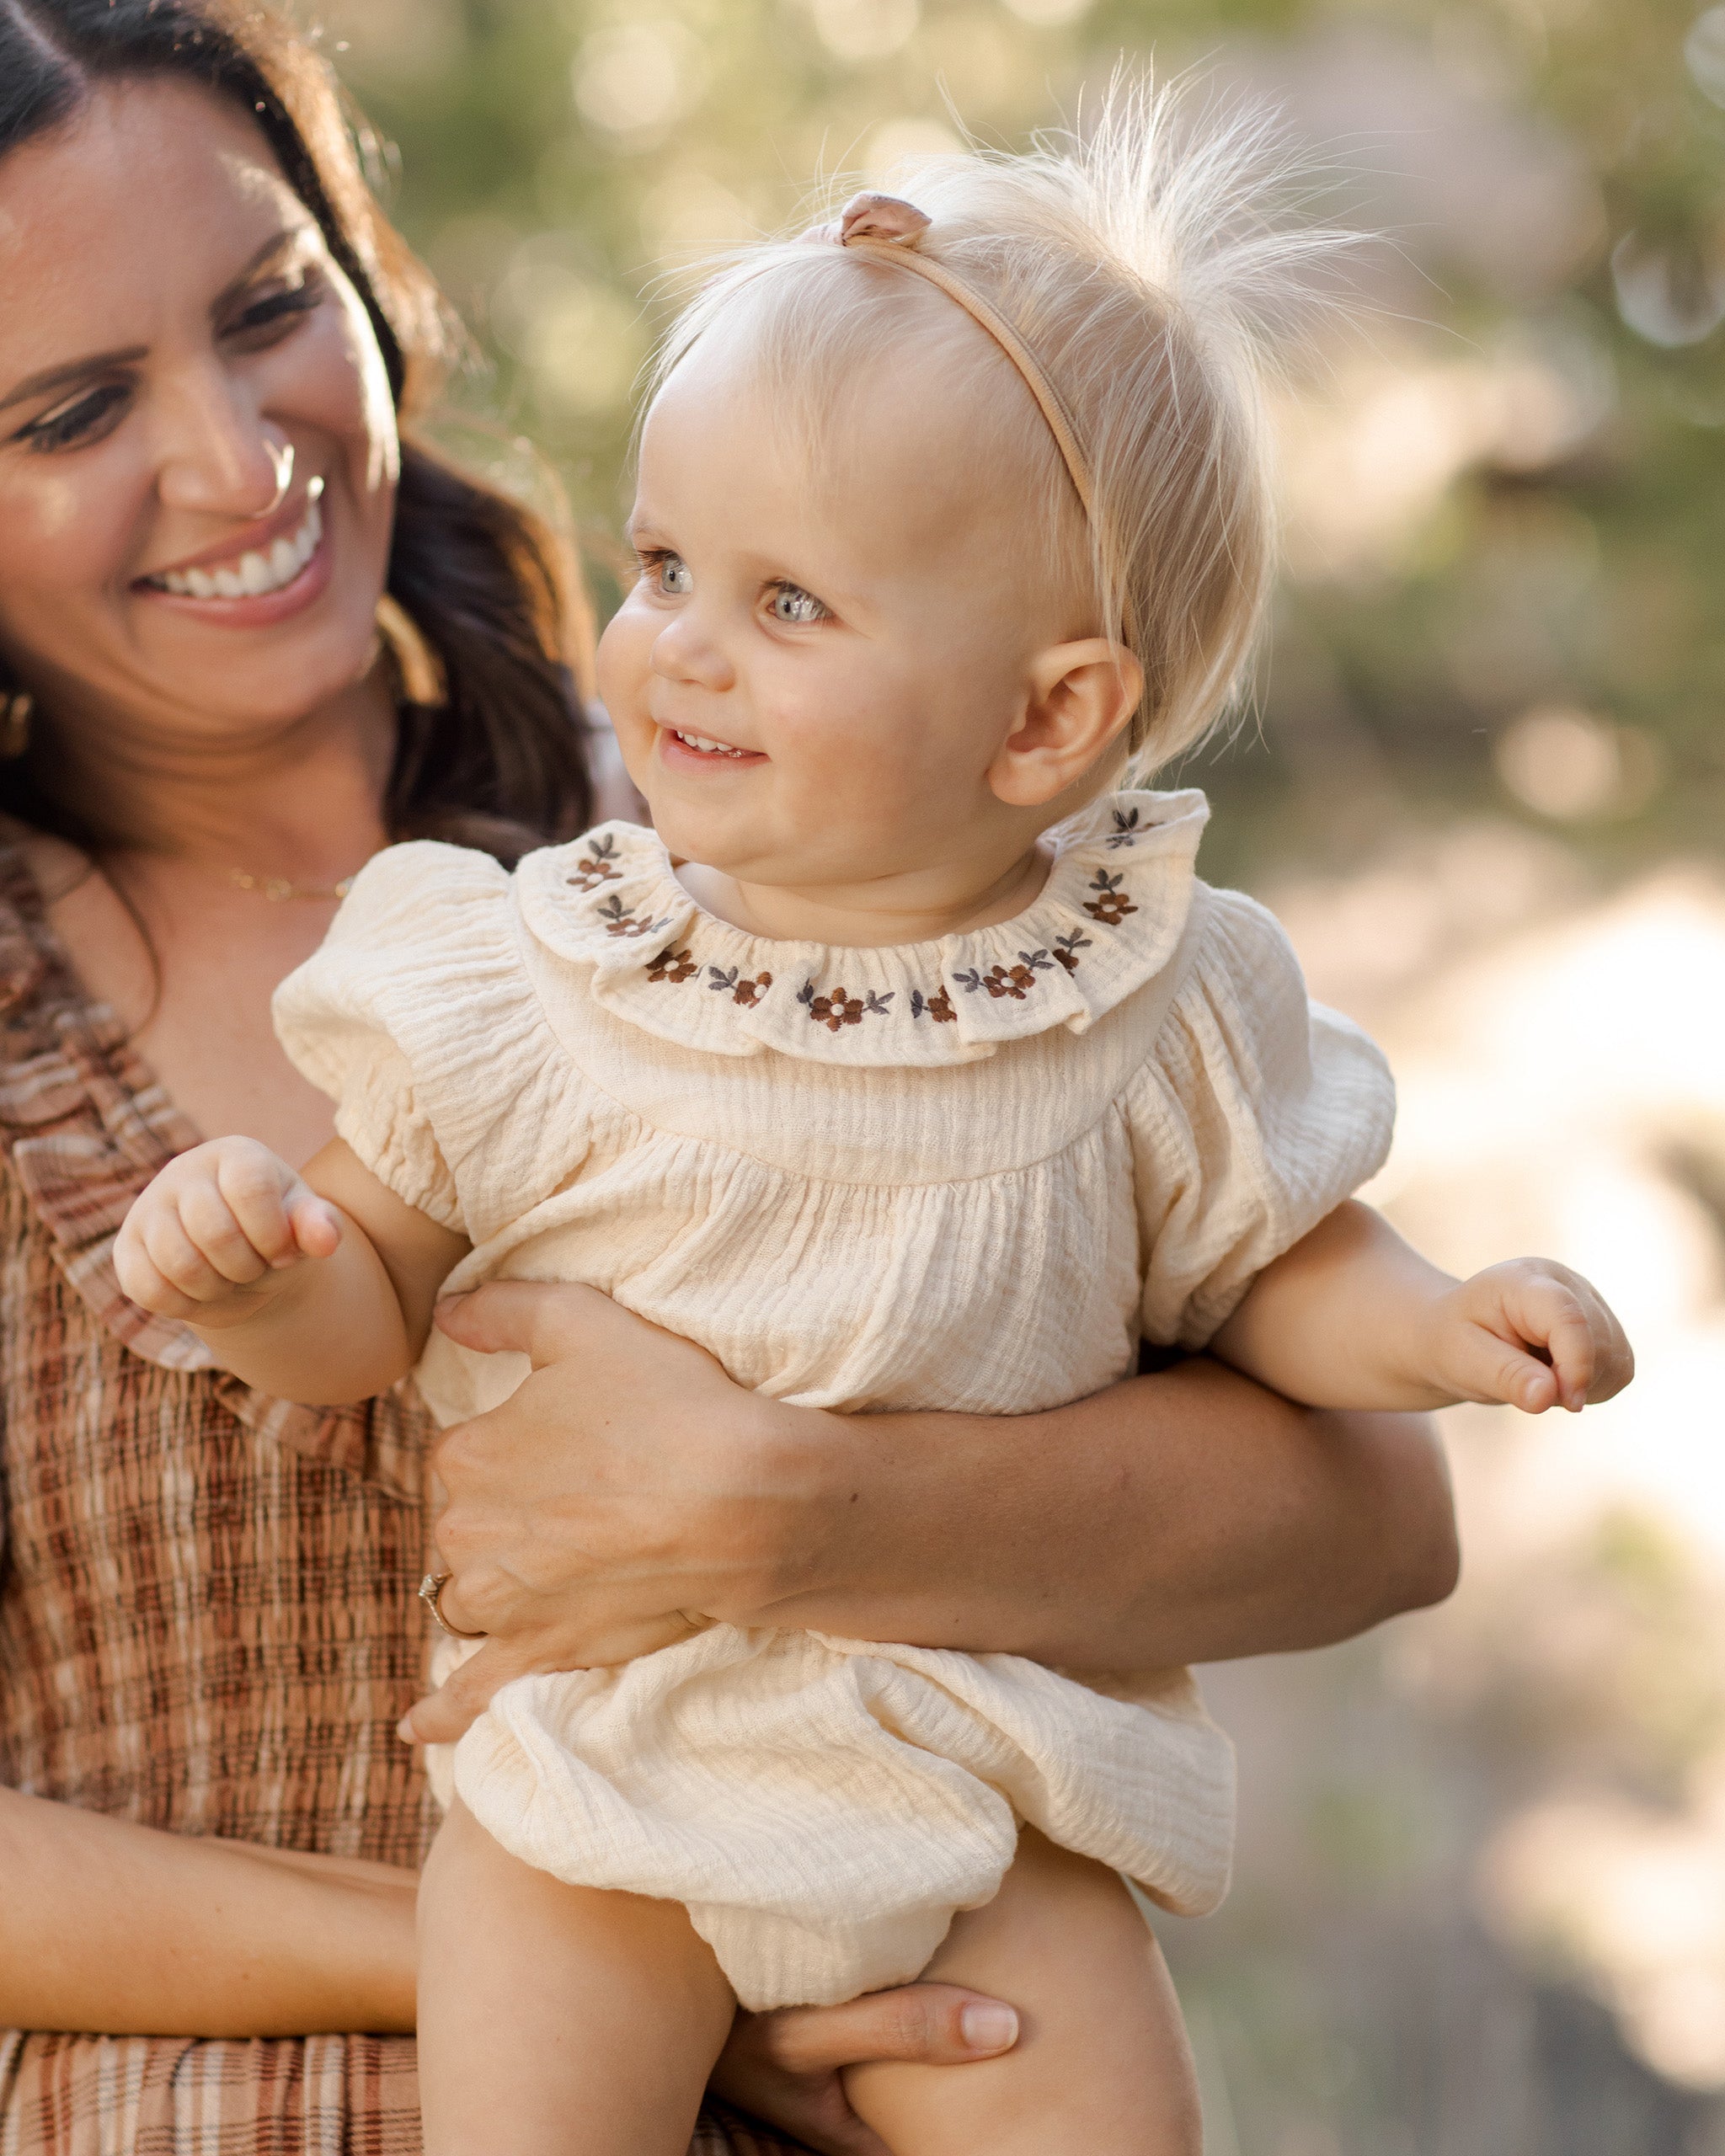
{"type": "Point", "coordinates": [622, 669]}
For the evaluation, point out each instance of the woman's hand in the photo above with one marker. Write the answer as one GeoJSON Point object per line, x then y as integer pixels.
{"type": "Point", "coordinates": [627, 1491]}
{"type": "Point", "coordinates": [629, 1488]}
{"type": "Point", "coordinates": [787, 2068]}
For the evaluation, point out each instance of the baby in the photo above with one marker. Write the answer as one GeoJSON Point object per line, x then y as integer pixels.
{"type": "Point", "coordinates": [903, 1064]}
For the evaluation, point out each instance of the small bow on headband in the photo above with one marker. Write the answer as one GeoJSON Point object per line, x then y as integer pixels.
{"type": "Point", "coordinates": [872, 216]}
{"type": "Point", "coordinates": [887, 228]}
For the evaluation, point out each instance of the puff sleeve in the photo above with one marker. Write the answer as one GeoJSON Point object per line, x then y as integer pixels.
{"type": "Point", "coordinates": [417, 1016]}
{"type": "Point", "coordinates": [1258, 1113]}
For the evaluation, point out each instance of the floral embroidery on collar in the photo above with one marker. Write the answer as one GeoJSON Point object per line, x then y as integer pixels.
{"type": "Point", "coordinates": [674, 966]}
{"type": "Point", "coordinates": [1112, 907]}
{"type": "Point", "coordinates": [1108, 918]}
{"type": "Point", "coordinates": [619, 923]}
{"type": "Point", "coordinates": [746, 992]}
{"type": "Point", "coordinates": [836, 1009]}
{"type": "Point", "coordinates": [598, 865]}
{"type": "Point", "coordinates": [1007, 980]}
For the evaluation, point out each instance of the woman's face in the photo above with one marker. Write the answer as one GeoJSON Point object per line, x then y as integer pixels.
{"type": "Point", "coordinates": [198, 453]}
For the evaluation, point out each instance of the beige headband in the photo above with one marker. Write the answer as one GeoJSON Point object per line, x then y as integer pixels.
{"type": "Point", "coordinates": [886, 229]}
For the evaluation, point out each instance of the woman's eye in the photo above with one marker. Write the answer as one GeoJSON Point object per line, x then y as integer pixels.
{"type": "Point", "coordinates": [77, 422]}
{"type": "Point", "coordinates": [791, 603]}
{"type": "Point", "coordinates": [671, 576]}
{"type": "Point", "coordinates": [277, 308]}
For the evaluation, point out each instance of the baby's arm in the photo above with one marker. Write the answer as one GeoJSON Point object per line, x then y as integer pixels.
{"type": "Point", "coordinates": [1351, 1317]}
{"type": "Point", "coordinates": [317, 1287]}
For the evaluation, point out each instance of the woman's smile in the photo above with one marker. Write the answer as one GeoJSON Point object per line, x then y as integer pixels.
{"type": "Point", "coordinates": [260, 575]}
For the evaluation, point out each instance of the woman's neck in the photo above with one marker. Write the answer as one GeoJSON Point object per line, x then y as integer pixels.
{"type": "Point", "coordinates": [303, 802]}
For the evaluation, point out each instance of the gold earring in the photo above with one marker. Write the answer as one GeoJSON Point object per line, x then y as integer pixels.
{"type": "Point", "coordinates": [418, 667]}
{"type": "Point", "coordinates": [15, 714]}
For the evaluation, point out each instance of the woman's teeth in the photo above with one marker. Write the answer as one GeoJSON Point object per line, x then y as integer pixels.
{"type": "Point", "coordinates": [255, 574]}
{"type": "Point", "coordinates": [706, 747]}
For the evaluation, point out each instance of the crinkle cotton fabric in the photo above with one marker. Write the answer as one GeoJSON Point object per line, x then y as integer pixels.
{"type": "Point", "coordinates": [966, 1175]}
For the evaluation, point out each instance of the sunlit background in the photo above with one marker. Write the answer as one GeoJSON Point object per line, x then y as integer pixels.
{"type": "Point", "coordinates": [1481, 1898]}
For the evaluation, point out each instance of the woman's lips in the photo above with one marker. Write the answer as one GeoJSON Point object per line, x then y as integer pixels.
{"type": "Point", "coordinates": [256, 587]}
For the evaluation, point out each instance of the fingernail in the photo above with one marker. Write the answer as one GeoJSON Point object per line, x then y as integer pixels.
{"type": "Point", "coordinates": [989, 2026]}
{"type": "Point", "coordinates": [405, 1731]}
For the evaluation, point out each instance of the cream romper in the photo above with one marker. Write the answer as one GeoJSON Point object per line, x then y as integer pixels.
{"type": "Point", "coordinates": [966, 1175]}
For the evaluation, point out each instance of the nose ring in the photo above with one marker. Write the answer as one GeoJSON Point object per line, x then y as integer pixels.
{"type": "Point", "coordinates": [281, 463]}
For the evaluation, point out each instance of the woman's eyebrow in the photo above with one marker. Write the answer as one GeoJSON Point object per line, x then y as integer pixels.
{"type": "Point", "coordinates": [73, 371]}
{"type": "Point", "coordinates": [278, 243]}
{"type": "Point", "coordinates": [62, 377]}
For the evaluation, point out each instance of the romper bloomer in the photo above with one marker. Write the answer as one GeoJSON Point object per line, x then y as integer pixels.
{"type": "Point", "coordinates": [967, 1175]}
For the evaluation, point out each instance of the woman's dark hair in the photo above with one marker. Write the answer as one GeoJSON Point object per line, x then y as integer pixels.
{"type": "Point", "coordinates": [502, 765]}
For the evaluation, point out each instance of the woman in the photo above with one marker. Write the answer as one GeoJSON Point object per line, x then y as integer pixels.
{"type": "Point", "coordinates": [208, 1630]}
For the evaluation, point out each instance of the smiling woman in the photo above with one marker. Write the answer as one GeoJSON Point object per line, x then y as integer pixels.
{"type": "Point", "coordinates": [284, 294]}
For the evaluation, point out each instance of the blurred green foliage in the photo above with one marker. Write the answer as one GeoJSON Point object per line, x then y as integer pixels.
{"type": "Point", "coordinates": [1550, 176]}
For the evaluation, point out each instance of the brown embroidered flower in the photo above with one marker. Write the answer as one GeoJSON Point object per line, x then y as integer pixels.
{"type": "Point", "coordinates": [836, 1009]}
{"type": "Point", "coordinates": [1067, 948]}
{"type": "Point", "coordinates": [1014, 981]}
{"type": "Point", "coordinates": [619, 923]}
{"type": "Point", "coordinates": [939, 1006]}
{"type": "Point", "coordinates": [742, 990]}
{"type": "Point", "coordinates": [1111, 905]}
{"type": "Point", "coordinates": [673, 966]}
{"type": "Point", "coordinates": [596, 866]}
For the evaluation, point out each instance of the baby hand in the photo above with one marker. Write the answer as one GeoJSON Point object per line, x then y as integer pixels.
{"type": "Point", "coordinates": [1531, 1334]}
{"type": "Point", "coordinates": [218, 1231]}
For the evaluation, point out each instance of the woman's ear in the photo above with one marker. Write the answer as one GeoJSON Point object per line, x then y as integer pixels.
{"type": "Point", "coordinates": [1083, 696]}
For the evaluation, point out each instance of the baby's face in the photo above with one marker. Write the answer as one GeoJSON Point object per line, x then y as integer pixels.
{"type": "Point", "coordinates": [820, 664]}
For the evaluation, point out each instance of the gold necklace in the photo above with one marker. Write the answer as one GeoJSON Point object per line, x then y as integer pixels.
{"type": "Point", "coordinates": [278, 887]}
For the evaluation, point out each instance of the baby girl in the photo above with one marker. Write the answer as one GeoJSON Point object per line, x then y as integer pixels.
{"type": "Point", "coordinates": [903, 1064]}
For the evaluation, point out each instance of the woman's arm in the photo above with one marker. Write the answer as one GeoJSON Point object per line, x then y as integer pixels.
{"type": "Point", "coordinates": [108, 1927]}
{"type": "Point", "coordinates": [1187, 1517]}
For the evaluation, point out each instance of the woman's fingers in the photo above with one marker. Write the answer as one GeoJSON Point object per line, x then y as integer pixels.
{"type": "Point", "coordinates": [542, 1319]}
{"type": "Point", "coordinates": [924, 2024]}
{"type": "Point", "coordinates": [787, 2068]}
{"type": "Point", "coordinates": [553, 1321]}
{"type": "Point", "coordinates": [449, 1712]}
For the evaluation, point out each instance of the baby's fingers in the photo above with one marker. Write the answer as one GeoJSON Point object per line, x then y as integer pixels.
{"type": "Point", "coordinates": [1562, 1317]}
{"type": "Point", "coordinates": [278, 1219]}
{"type": "Point", "coordinates": [1486, 1366]}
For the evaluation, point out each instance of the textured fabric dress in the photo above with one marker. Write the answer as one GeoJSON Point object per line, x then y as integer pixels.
{"type": "Point", "coordinates": [968, 1174]}
{"type": "Point", "coordinates": [207, 1612]}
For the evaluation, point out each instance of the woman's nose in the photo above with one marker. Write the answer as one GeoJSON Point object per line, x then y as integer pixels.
{"type": "Point", "coordinates": [219, 456]}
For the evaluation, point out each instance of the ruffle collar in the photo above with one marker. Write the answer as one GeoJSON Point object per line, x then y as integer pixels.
{"type": "Point", "coordinates": [1107, 921]}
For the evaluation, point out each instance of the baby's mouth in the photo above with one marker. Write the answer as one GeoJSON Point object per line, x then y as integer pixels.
{"type": "Point", "coordinates": [704, 745]}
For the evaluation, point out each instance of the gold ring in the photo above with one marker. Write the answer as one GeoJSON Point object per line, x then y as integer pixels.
{"type": "Point", "coordinates": [432, 1594]}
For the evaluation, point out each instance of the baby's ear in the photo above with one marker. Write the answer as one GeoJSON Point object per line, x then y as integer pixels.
{"type": "Point", "coordinates": [1081, 698]}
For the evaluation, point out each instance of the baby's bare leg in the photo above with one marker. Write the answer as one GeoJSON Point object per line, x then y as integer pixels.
{"type": "Point", "coordinates": [1102, 2066]}
{"type": "Point", "coordinates": [557, 2021]}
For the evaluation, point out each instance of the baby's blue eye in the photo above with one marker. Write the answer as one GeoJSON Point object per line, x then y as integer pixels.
{"type": "Point", "coordinates": [674, 578]}
{"type": "Point", "coordinates": [791, 603]}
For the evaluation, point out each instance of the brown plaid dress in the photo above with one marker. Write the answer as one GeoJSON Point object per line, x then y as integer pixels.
{"type": "Point", "coordinates": [207, 1612]}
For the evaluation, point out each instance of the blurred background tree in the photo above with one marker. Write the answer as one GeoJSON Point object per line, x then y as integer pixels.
{"type": "Point", "coordinates": [1480, 1909]}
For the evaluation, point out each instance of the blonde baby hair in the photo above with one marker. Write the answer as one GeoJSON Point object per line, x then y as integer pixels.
{"type": "Point", "coordinates": [1151, 268]}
